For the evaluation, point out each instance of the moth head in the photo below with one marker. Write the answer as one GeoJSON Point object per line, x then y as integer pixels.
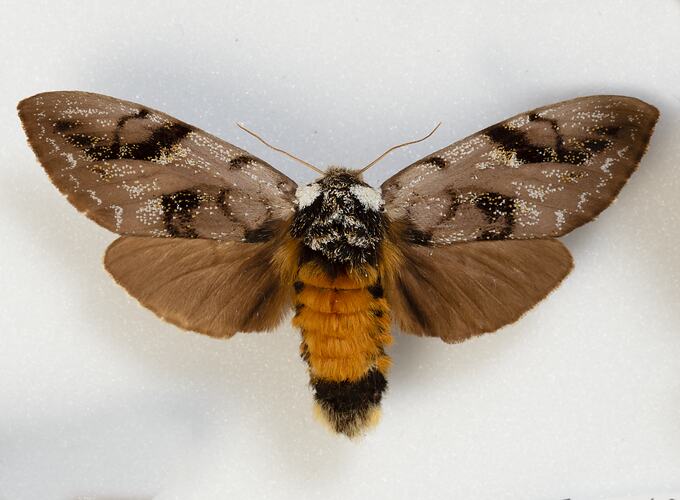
{"type": "Point", "coordinates": [339, 188]}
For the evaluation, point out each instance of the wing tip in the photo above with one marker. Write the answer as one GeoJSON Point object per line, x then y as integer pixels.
{"type": "Point", "coordinates": [653, 110]}
{"type": "Point", "coordinates": [28, 125]}
{"type": "Point", "coordinates": [26, 101]}
{"type": "Point", "coordinates": [650, 110]}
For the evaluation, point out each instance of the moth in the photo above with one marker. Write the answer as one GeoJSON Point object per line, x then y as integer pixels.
{"type": "Point", "coordinates": [217, 241]}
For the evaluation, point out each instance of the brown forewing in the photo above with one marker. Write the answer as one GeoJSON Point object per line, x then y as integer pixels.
{"type": "Point", "coordinates": [539, 174]}
{"type": "Point", "coordinates": [137, 171]}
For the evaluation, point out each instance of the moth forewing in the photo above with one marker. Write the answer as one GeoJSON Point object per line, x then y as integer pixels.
{"type": "Point", "coordinates": [139, 172]}
{"type": "Point", "coordinates": [539, 174]}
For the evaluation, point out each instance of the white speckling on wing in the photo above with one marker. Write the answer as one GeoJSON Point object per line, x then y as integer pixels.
{"type": "Point", "coordinates": [507, 158]}
{"type": "Point", "coordinates": [75, 181]}
{"type": "Point", "coordinates": [536, 191]}
{"type": "Point", "coordinates": [582, 199]}
{"type": "Point", "coordinates": [519, 121]}
{"type": "Point", "coordinates": [150, 212]}
{"type": "Point", "coordinates": [94, 196]}
{"type": "Point", "coordinates": [72, 163]}
{"type": "Point", "coordinates": [559, 219]}
{"type": "Point", "coordinates": [622, 152]}
{"type": "Point", "coordinates": [117, 215]}
{"type": "Point", "coordinates": [138, 190]}
{"type": "Point", "coordinates": [169, 155]}
{"type": "Point", "coordinates": [531, 214]}
{"type": "Point", "coordinates": [606, 165]}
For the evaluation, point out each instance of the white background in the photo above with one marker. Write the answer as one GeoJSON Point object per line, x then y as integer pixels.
{"type": "Point", "coordinates": [580, 399]}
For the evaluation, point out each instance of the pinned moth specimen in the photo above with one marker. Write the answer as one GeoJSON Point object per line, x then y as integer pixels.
{"type": "Point", "coordinates": [460, 243]}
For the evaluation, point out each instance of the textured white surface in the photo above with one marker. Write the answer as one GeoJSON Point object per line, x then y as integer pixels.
{"type": "Point", "coordinates": [306, 194]}
{"type": "Point", "coordinates": [580, 399]}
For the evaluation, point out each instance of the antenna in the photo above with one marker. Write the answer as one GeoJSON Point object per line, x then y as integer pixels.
{"type": "Point", "coordinates": [309, 165]}
{"type": "Point", "coordinates": [397, 147]}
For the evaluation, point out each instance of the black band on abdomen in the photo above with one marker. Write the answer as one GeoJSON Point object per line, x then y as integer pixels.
{"type": "Point", "coordinates": [349, 405]}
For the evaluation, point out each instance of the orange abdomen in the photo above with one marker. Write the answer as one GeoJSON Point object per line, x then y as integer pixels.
{"type": "Point", "coordinates": [344, 321]}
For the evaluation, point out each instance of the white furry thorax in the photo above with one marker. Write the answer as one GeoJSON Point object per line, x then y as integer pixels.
{"type": "Point", "coordinates": [305, 195]}
{"type": "Point", "coordinates": [370, 198]}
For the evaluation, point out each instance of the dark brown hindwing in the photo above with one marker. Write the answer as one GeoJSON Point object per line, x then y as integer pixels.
{"type": "Point", "coordinates": [456, 292]}
{"type": "Point", "coordinates": [207, 286]}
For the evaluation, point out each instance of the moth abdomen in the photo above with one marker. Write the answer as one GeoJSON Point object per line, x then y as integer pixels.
{"type": "Point", "coordinates": [345, 328]}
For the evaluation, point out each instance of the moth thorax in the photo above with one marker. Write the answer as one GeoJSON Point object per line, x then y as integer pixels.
{"type": "Point", "coordinates": [340, 217]}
